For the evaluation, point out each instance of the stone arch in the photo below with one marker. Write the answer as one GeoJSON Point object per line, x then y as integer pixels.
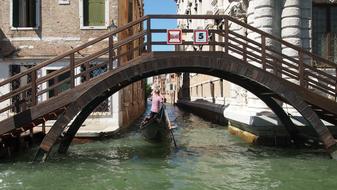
{"type": "Point", "coordinates": [211, 63]}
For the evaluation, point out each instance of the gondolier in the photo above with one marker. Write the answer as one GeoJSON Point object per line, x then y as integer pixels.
{"type": "Point", "coordinates": [157, 101]}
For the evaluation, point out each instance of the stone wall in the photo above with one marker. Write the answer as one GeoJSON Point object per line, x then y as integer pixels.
{"type": "Point", "coordinates": [132, 97]}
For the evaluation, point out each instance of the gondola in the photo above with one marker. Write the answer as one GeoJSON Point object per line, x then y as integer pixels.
{"type": "Point", "coordinates": [157, 128]}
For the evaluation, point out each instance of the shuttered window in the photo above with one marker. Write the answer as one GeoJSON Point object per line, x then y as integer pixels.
{"type": "Point", "coordinates": [94, 12]}
{"type": "Point", "coordinates": [324, 30]}
{"type": "Point", "coordinates": [24, 13]}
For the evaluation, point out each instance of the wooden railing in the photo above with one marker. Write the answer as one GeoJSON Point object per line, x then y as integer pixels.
{"type": "Point", "coordinates": [262, 50]}
{"type": "Point", "coordinates": [105, 53]}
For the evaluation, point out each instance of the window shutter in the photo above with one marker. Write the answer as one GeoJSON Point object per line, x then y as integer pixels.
{"type": "Point", "coordinates": [94, 12]}
{"type": "Point", "coordinates": [15, 13]}
{"type": "Point", "coordinates": [31, 13]}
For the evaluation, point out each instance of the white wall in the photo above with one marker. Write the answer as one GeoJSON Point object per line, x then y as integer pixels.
{"type": "Point", "coordinates": [4, 73]}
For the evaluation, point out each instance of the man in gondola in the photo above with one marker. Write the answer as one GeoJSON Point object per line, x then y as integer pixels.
{"type": "Point", "coordinates": [157, 100]}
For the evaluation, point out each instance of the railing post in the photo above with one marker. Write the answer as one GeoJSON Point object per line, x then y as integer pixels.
{"type": "Point", "coordinates": [24, 101]}
{"type": "Point", "coordinates": [87, 73]}
{"type": "Point", "coordinates": [263, 51]}
{"type": "Point", "coordinates": [56, 89]}
{"type": "Point", "coordinates": [277, 68]}
{"type": "Point", "coordinates": [213, 41]}
{"type": "Point", "coordinates": [226, 35]}
{"type": "Point", "coordinates": [244, 55]}
{"type": "Point", "coordinates": [72, 70]}
{"type": "Point", "coordinates": [34, 88]}
{"type": "Point", "coordinates": [139, 39]}
{"type": "Point", "coordinates": [111, 52]}
{"type": "Point", "coordinates": [149, 37]}
{"type": "Point", "coordinates": [301, 68]}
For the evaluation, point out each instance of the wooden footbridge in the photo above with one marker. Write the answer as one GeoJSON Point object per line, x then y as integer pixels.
{"type": "Point", "coordinates": [307, 82]}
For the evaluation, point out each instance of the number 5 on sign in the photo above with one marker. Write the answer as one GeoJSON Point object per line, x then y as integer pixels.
{"type": "Point", "coordinates": [200, 37]}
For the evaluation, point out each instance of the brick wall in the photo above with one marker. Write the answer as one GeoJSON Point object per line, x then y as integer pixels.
{"type": "Point", "coordinates": [59, 29]}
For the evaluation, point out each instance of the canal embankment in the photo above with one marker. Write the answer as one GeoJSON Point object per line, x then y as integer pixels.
{"type": "Point", "coordinates": [206, 110]}
{"type": "Point", "coordinates": [260, 129]}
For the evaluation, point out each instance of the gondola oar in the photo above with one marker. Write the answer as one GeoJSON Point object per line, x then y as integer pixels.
{"type": "Point", "coordinates": [171, 129]}
{"type": "Point", "coordinates": [174, 140]}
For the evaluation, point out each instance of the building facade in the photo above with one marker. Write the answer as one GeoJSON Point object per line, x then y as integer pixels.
{"type": "Point", "coordinates": [159, 83]}
{"type": "Point", "coordinates": [32, 31]}
{"type": "Point", "coordinates": [171, 83]}
{"type": "Point", "coordinates": [310, 24]}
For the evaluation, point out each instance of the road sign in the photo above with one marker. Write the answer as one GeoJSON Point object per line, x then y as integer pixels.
{"type": "Point", "coordinates": [200, 37]}
{"type": "Point", "coordinates": [174, 36]}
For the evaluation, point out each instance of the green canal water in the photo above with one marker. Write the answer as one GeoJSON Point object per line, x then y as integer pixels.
{"type": "Point", "coordinates": [208, 157]}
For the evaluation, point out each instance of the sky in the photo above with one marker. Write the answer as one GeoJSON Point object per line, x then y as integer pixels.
{"type": "Point", "coordinates": [161, 7]}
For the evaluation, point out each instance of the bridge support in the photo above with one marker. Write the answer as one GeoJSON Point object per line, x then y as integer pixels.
{"type": "Point", "coordinates": [63, 120]}
{"type": "Point", "coordinates": [273, 105]}
{"type": "Point", "coordinates": [285, 119]}
{"type": "Point", "coordinates": [55, 132]}
{"type": "Point", "coordinates": [77, 123]}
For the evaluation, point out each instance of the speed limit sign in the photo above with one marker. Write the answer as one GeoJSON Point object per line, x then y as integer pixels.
{"type": "Point", "coordinates": [200, 37]}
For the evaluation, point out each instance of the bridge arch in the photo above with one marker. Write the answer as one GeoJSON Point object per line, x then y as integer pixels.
{"type": "Point", "coordinates": [224, 66]}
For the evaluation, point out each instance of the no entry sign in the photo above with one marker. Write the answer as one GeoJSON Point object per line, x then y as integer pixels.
{"type": "Point", "coordinates": [174, 36]}
{"type": "Point", "coordinates": [200, 37]}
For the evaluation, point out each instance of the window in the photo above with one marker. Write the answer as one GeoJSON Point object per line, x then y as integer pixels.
{"type": "Point", "coordinates": [94, 14]}
{"type": "Point", "coordinates": [25, 14]}
{"type": "Point", "coordinates": [324, 31]}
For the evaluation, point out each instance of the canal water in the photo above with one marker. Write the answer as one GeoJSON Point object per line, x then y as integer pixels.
{"type": "Point", "coordinates": [208, 157]}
